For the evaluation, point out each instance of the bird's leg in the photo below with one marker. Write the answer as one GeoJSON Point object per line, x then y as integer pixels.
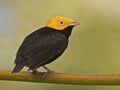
{"type": "Point", "coordinates": [48, 71]}
{"type": "Point", "coordinates": [35, 71]}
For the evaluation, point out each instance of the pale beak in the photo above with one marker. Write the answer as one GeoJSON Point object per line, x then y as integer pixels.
{"type": "Point", "coordinates": [74, 24]}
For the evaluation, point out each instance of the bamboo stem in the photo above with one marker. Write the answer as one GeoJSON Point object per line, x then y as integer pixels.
{"type": "Point", "coordinates": [63, 78]}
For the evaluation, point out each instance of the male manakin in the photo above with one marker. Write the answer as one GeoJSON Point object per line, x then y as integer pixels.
{"type": "Point", "coordinates": [44, 45]}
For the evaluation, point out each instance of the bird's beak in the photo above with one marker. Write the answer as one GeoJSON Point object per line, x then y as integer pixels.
{"type": "Point", "coordinates": [74, 24]}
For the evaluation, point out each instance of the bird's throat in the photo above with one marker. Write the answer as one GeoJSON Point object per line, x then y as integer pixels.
{"type": "Point", "coordinates": [67, 31]}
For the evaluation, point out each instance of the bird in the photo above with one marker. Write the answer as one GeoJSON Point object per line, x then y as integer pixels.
{"type": "Point", "coordinates": [44, 45]}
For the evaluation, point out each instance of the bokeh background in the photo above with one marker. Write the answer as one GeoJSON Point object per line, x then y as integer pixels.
{"type": "Point", "coordinates": [94, 45]}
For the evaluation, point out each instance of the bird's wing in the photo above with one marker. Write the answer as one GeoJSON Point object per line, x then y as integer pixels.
{"type": "Point", "coordinates": [38, 51]}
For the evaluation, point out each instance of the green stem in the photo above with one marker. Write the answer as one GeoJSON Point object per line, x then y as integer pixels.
{"type": "Point", "coordinates": [63, 78]}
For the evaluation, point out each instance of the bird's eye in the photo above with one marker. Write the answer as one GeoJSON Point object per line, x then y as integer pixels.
{"type": "Point", "coordinates": [61, 22]}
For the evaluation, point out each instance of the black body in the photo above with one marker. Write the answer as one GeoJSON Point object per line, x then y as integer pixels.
{"type": "Point", "coordinates": [41, 47]}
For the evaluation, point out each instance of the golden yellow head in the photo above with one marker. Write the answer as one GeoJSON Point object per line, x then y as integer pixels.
{"type": "Point", "coordinates": [60, 23]}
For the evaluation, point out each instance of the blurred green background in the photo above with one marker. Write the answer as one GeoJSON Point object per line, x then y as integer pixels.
{"type": "Point", "coordinates": [94, 45]}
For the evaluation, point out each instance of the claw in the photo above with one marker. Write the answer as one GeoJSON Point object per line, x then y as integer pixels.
{"type": "Point", "coordinates": [35, 73]}
{"type": "Point", "coordinates": [48, 71]}
{"type": "Point", "coordinates": [44, 74]}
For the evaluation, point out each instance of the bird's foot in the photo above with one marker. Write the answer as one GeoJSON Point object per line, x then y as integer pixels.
{"type": "Point", "coordinates": [35, 73]}
{"type": "Point", "coordinates": [48, 71]}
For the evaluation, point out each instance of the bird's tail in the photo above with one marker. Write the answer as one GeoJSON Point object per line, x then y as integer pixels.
{"type": "Point", "coordinates": [18, 67]}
